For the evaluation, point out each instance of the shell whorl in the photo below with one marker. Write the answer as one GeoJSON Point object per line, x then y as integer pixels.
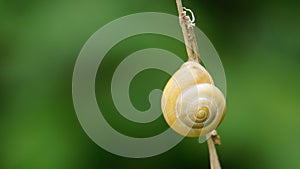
{"type": "Point", "coordinates": [191, 104]}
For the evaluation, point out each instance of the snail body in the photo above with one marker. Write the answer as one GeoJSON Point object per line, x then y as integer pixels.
{"type": "Point", "coordinates": [191, 104]}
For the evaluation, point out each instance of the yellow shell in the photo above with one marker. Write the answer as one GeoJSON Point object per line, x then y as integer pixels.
{"type": "Point", "coordinates": [191, 104]}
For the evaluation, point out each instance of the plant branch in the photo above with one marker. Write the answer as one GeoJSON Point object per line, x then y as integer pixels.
{"type": "Point", "coordinates": [193, 54]}
{"type": "Point", "coordinates": [214, 161]}
{"type": "Point", "coordinates": [213, 139]}
{"type": "Point", "coordinates": [188, 33]}
{"type": "Point", "coordinates": [194, 44]}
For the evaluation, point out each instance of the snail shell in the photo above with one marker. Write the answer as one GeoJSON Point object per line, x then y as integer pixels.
{"type": "Point", "coordinates": [191, 104]}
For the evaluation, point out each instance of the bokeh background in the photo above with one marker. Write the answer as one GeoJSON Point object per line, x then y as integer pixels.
{"type": "Point", "coordinates": [258, 42]}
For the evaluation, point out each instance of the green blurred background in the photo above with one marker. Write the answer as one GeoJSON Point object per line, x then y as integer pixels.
{"type": "Point", "coordinates": [258, 42]}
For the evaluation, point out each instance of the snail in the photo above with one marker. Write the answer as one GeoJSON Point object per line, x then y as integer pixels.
{"type": "Point", "coordinates": [191, 104]}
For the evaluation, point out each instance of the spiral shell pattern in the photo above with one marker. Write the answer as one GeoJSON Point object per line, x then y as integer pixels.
{"type": "Point", "coordinates": [191, 104]}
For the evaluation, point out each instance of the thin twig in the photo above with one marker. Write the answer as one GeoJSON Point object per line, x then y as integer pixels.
{"type": "Point", "coordinates": [181, 14]}
{"type": "Point", "coordinates": [192, 46]}
{"type": "Point", "coordinates": [214, 160]}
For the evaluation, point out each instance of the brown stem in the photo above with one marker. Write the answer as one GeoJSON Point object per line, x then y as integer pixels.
{"type": "Point", "coordinates": [213, 156]}
{"type": "Point", "coordinates": [194, 44]}
{"type": "Point", "coordinates": [184, 30]}
{"type": "Point", "coordinates": [191, 45]}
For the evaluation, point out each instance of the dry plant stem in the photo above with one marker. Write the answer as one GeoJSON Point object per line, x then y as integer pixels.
{"type": "Point", "coordinates": [184, 30]}
{"type": "Point", "coordinates": [191, 45]}
{"type": "Point", "coordinates": [194, 44]}
{"type": "Point", "coordinates": [214, 161]}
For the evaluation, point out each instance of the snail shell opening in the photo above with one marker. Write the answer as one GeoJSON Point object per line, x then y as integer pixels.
{"type": "Point", "coordinates": [191, 104]}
